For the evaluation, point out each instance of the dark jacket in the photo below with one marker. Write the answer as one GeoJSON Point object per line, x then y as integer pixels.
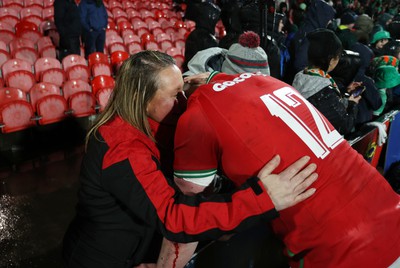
{"type": "Point", "coordinates": [93, 17]}
{"type": "Point", "coordinates": [67, 18]}
{"type": "Point", "coordinates": [206, 16]}
{"type": "Point", "coordinates": [126, 205]}
{"type": "Point", "coordinates": [319, 92]}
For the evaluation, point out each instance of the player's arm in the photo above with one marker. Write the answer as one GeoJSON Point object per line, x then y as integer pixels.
{"type": "Point", "coordinates": [285, 189]}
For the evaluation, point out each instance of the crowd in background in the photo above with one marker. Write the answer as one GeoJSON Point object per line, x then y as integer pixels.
{"type": "Point", "coordinates": [369, 33]}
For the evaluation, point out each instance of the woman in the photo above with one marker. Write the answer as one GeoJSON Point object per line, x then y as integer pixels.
{"type": "Point", "coordinates": [125, 202]}
{"type": "Point", "coordinates": [318, 87]}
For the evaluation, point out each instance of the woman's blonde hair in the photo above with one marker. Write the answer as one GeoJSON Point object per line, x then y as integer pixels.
{"type": "Point", "coordinates": [135, 85]}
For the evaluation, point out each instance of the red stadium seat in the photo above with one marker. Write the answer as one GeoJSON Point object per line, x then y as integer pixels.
{"type": "Point", "coordinates": [26, 53]}
{"type": "Point", "coordinates": [117, 58]}
{"type": "Point", "coordinates": [4, 11]}
{"type": "Point", "coordinates": [48, 13]}
{"type": "Point", "coordinates": [81, 101]}
{"type": "Point", "coordinates": [134, 47]}
{"type": "Point", "coordinates": [78, 72]}
{"type": "Point", "coordinates": [131, 38]}
{"type": "Point", "coordinates": [49, 70]}
{"type": "Point", "coordinates": [152, 45]}
{"type": "Point", "coordinates": [164, 45]}
{"type": "Point", "coordinates": [49, 104]}
{"type": "Point", "coordinates": [13, 65]}
{"type": "Point", "coordinates": [4, 56]}
{"type": "Point", "coordinates": [20, 42]}
{"type": "Point", "coordinates": [6, 26]}
{"type": "Point", "coordinates": [119, 46]}
{"type": "Point", "coordinates": [29, 34]}
{"type": "Point", "coordinates": [179, 59]}
{"type": "Point", "coordinates": [124, 25]}
{"type": "Point", "coordinates": [6, 36]}
{"type": "Point", "coordinates": [111, 39]}
{"type": "Point", "coordinates": [72, 60]}
{"type": "Point", "coordinates": [16, 112]}
{"type": "Point", "coordinates": [9, 19]}
{"type": "Point", "coordinates": [97, 57]}
{"type": "Point", "coordinates": [48, 3]}
{"type": "Point", "coordinates": [46, 48]}
{"type": "Point", "coordinates": [21, 79]}
{"type": "Point", "coordinates": [28, 11]}
{"type": "Point", "coordinates": [29, 3]}
{"type": "Point", "coordinates": [102, 87]}
{"type": "Point", "coordinates": [23, 26]}
{"type": "Point", "coordinates": [34, 19]}
{"type": "Point", "coordinates": [101, 68]}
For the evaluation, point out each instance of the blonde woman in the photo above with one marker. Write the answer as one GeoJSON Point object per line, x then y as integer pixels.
{"type": "Point", "coordinates": [126, 204]}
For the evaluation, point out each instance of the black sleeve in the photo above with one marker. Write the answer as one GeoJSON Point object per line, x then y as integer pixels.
{"type": "Point", "coordinates": [139, 184]}
{"type": "Point", "coordinates": [328, 102]}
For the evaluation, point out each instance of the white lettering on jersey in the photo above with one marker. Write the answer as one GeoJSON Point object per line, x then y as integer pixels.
{"type": "Point", "coordinates": [242, 77]}
{"type": "Point", "coordinates": [280, 104]}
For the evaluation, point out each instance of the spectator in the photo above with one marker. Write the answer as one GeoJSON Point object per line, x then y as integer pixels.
{"type": "Point", "coordinates": [94, 21]}
{"type": "Point", "coordinates": [230, 19]}
{"type": "Point", "coordinates": [319, 88]}
{"type": "Point", "coordinates": [125, 202]}
{"type": "Point", "coordinates": [386, 77]}
{"type": "Point", "coordinates": [206, 16]}
{"type": "Point", "coordinates": [350, 68]}
{"type": "Point", "coordinates": [392, 48]}
{"type": "Point", "coordinates": [328, 230]}
{"type": "Point", "coordinates": [363, 28]}
{"type": "Point", "coordinates": [68, 23]}
{"type": "Point", "coordinates": [245, 56]}
{"type": "Point", "coordinates": [379, 39]}
{"type": "Point", "coordinates": [319, 15]}
{"type": "Point", "coordinates": [345, 30]}
{"type": "Point", "coordinates": [394, 27]}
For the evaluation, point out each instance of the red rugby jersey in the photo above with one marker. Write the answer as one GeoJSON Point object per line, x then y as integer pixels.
{"type": "Point", "coordinates": [237, 123]}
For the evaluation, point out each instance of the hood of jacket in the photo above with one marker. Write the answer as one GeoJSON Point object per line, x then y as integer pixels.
{"type": "Point", "coordinates": [319, 13]}
{"type": "Point", "coordinates": [309, 85]}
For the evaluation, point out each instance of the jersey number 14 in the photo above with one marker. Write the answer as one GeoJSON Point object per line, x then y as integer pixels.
{"type": "Point", "coordinates": [281, 103]}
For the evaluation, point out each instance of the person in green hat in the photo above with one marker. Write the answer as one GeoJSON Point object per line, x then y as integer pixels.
{"type": "Point", "coordinates": [379, 39]}
{"type": "Point", "coordinates": [386, 77]}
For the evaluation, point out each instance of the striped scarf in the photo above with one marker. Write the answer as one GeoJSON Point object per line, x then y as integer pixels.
{"type": "Point", "coordinates": [321, 73]}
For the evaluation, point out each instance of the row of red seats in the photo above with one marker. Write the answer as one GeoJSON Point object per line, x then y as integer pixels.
{"type": "Point", "coordinates": [47, 103]}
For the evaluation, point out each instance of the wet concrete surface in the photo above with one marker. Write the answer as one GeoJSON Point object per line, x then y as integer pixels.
{"type": "Point", "coordinates": [36, 205]}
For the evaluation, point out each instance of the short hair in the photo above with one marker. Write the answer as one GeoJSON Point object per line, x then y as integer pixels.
{"type": "Point", "coordinates": [324, 45]}
{"type": "Point", "coordinates": [136, 84]}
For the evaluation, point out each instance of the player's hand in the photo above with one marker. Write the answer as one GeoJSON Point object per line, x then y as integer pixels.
{"type": "Point", "coordinates": [289, 187]}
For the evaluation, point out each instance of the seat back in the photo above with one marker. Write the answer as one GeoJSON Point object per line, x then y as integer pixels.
{"type": "Point", "coordinates": [97, 57]}
{"type": "Point", "coordinates": [30, 34]}
{"type": "Point", "coordinates": [78, 72]}
{"type": "Point", "coordinates": [16, 112]}
{"type": "Point", "coordinates": [102, 82]}
{"type": "Point", "coordinates": [48, 103]}
{"type": "Point", "coordinates": [23, 26]}
{"type": "Point", "coordinates": [45, 63]}
{"type": "Point", "coordinates": [15, 65]}
{"type": "Point", "coordinates": [73, 86]}
{"type": "Point", "coordinates": [20, 42]}
{"type": "Point", "coordinates": [117, 58]}
{"type": "Point", "coordinates": [6, 36]}
{"type": "Point", "coordinates": [4, 56]}
{"type": "Point", "coordinates": [72, 60]}
{"type": "Point", "coordinates": [21, 79]}
{"type": "Point", "coordinates": [26, 53]}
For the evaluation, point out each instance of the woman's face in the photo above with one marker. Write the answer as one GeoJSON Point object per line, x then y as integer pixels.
{"type": "Point", "coordinates": [160, 108]}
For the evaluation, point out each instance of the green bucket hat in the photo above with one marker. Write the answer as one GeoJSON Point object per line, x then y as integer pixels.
{"type": "Point", "coordinates": [387, 77]}
{"type": "Point", "coordinates": [379, 36]}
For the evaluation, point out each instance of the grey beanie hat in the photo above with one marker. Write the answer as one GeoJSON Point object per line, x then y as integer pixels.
{"type": "Point", "coordinates": [246, 56]}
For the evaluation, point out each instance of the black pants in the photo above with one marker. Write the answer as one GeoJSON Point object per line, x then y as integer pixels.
{"type": "Point", "coordinates": [68, 46]}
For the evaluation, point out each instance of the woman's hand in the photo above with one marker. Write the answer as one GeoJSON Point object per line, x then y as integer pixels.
{"type": "Point", "coordinates": [289, 187]}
